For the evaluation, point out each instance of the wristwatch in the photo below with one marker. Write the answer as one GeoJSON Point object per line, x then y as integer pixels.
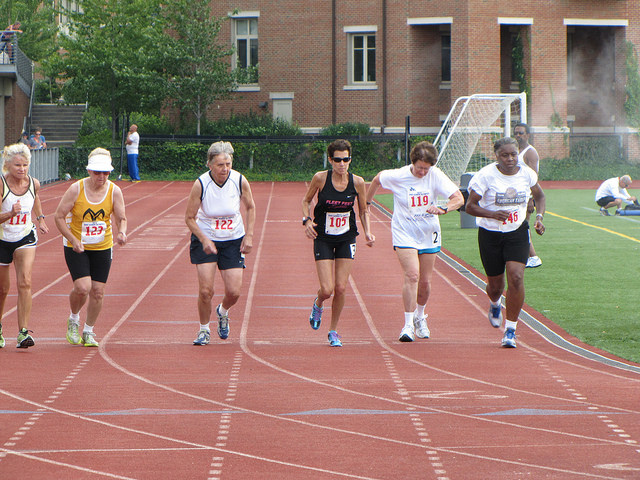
{"type": "Point", "coordinates": [444, 208]}
{"type": "Point", "coordinates": [304, 220]}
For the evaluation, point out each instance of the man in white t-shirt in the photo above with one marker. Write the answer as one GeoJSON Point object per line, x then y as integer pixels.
{"type": "Point", "coordinates": [133, 140]}
{"type": "Point", "coordinates": [612, 193]}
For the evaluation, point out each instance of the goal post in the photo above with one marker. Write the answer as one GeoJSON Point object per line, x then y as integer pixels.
{"type": "Point", "coordinates": [474, 123]}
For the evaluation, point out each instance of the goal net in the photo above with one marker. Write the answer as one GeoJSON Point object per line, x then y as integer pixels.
{"type": "Point", "coordinates": [465, 141]}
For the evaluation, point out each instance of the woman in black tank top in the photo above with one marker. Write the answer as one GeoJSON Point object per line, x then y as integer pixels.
{"type": "Point", "coordinates": [333, 230]}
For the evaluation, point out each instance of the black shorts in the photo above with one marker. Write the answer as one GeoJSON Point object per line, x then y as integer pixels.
{"type": "Point", "coordinates": [497, 248]}
{"type": "Point", "coordinates": [7, 248]}
{"type": "Point", "coordinates": [90, 263]}
{"type": "Point", "coordinates": [327, 250]}
{"type": "Point", "coordinates": [228, 255]}
{"type": "Point", "coordinates": [604, 201]}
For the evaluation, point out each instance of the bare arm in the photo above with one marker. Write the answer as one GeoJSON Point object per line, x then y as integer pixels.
{"type": "Point", "coordinates": [193, 204]}
{"type": "Point", "coordinates": [373, 188]}
{"type": "Point", "coordinates": [532, 159]}
{"type": "Point", "coordinates": [541, 205]}
{"type": "Point", "coordinates": [119, 215]}
{"type": "Point", "coordinates": [65, 206]}
{"type": "Point", "coordinates": [317, 180]}
{"type": "Point", "coordinates": [473, 208]}
{"type": "Point", "coordinates": [37, 208]}
{"type": "Point", "coordinates": [363, 210]}
{"type": "Point", "coordinates": [250, 206]}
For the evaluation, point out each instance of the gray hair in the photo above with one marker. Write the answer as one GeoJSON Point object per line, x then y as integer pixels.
{"type": "Point", "coordinates": [219, 148]}
{"type": "Point", "coordinates": [17, 149]}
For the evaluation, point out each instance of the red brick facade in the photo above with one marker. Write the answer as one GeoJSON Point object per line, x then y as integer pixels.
{"type": "Point", "coordinates": [298, 42]}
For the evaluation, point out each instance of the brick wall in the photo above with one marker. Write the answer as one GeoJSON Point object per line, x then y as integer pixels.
{"type": "Point", "coordinates": [16, 108]}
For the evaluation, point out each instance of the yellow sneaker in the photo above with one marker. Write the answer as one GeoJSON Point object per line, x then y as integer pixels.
{"type": "Point", "coordinates": [73, 337]}
{"type": "Point", "coordinates": [88, 339]}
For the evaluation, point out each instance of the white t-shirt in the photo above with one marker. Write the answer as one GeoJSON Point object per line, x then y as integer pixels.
{"type": "Point", "coordinates": [219, 215]}
{"type": "Point", "coordinates": [612, 188]}
{"type": "Point", "coordinates": [503, 192]}
{"type": "Point", "coordinates": [411, 225]}
{"type": "Point", "coordinates": [135, 141]}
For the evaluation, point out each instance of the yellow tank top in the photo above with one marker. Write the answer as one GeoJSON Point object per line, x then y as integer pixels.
{"type": "Point", "coordinates": [91, 222]}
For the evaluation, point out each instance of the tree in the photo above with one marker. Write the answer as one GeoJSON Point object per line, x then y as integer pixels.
{"type": "Point", "coordinates": [113, 57]}
{"type": "Point", "coordinates": [203, 73]}
{"type": "Point", "coordinates": [37, 18]}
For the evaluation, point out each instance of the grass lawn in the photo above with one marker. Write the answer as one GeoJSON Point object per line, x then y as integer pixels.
{"type": "Point", "coordinates": [589, 274]}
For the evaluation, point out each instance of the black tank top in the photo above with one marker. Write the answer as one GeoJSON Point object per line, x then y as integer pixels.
{"type": "Point", "coordinates": [332, 201]}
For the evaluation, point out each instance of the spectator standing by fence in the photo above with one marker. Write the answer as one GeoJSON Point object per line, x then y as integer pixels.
{"type": "Point", "coordinates": [133, 141]}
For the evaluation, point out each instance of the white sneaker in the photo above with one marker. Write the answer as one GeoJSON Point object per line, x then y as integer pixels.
{"type": "Point", "coordinates": [420, 326]}
{"type": "Point", "coordinates": [533, 262]}
{"type": "Point", "coordinates": [406, 335]}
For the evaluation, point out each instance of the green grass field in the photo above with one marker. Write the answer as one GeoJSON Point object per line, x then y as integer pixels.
{"type": "Point", "coordinates": [590, 273]}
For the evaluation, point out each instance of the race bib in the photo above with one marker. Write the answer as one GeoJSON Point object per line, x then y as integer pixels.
{"type": "Point", "coordinates": [512, 218]}
{"type": "Point", "coordinates": [336, 223]}
{"type": "Point", "coordinates": [418, 203]}
{"type": "Point", "coordinates": [93, 232]}
{"type": "Point", "coordinates": [222, 226]}
{"type": "Point", "coordinates": [19, 219]}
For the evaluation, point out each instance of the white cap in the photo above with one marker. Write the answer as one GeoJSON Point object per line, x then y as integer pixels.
{"type": "Point", "coordinates": [100, 163]}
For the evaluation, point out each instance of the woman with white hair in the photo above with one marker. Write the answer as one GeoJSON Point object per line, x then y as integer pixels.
{"type": "Point", "coordinates": [84, 220]}
{"type": "Point", "coordinates": [18, 235]}
{"type": "Point", "coordinates": [218, 235]}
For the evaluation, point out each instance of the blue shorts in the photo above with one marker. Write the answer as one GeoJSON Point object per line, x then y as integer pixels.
{"type": "Point", "coordinates": [228, 255]}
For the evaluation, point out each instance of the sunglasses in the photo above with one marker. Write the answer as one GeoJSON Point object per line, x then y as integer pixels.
{"type": "Point", "coordinates": [341, 159]}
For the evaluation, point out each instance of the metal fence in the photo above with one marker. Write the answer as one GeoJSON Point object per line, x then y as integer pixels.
{"type": "Point", "coordinates": [44, 165]}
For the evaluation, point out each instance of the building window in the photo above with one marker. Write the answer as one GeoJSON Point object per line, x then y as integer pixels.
{"type": "Point", "coordinates": [67, 7]}
{"type": "Point", "coordinates": [246, 42]}
{"type": "Point", "coordinates": [446, 56]}
{"type": "Point", "coordinates": [570, 57]}
{"type": "Point", "coordinates": [363, 66]}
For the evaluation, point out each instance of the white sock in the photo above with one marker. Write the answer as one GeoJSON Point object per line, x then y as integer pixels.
{"type": "Point", "coordinates": [420, 310]}
{"type": "Point", "coordinates": [510, 324]}
{"type": "Point", "coordinates": [408, 319]}
{"type": "Point", "coordinates": [75, 318]}
{"type": "Point", "coordinates": [205, 327]}
{"type": "Point", "coordinates": [495, 304]}
{"type": "Point", "coordinates": [222, 311]}
{"type": "Point", "coordinates": [87, 328]}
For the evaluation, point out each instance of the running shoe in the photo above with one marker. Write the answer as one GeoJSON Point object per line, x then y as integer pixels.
{"type": "Point", "coordinates": [509, 339]}
{"type": "Point", "coordinates": [1, 338]}
{"type": "Point", "coordinates": [406, 335]}
{"type": "Point", "coordinates": [73, 337]}
{"type": "Point", "coordinates": [495, 316]}
{"type": "Point", "coordinates": [24, 339]}
{"type": "Point", "coordinates": [334, 339]}
{"type": "Point", "coordinates": [420, 326]}
{"type": "Point", "coordinates": [604, 212]}
{"type": "Point", "coordinates": [316, 316]}
{"type": "Point", "coordinates": [204, 336]}
{"type": "Point", "coordinates": [223, 324]}
{"type": "Point", "coordinates": [89, 340]}
{"type": "Point", "coordinates": [533, 262]}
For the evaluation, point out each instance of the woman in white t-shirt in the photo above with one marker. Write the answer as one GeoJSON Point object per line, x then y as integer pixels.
{"type": "Point", "coordinates": [498, 196]}
{"type": "Point", "coordinates": [416, 229]}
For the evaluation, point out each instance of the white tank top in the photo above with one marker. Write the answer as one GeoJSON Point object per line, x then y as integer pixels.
{"type": "Point", "coordinates": [18, 226]}
{"type": "Point", "coordinates": [219, 215]}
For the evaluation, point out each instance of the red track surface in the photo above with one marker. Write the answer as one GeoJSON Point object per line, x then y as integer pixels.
{"type": "Point", "coordinates": [274, 401]}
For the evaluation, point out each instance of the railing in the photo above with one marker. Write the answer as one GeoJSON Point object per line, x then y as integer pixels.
{"type": "Point", "coordinates": [44, 165]}
{"type": "Point", "coordinates": [10, 54]}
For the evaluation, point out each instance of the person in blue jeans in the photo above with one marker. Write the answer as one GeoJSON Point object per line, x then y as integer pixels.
{"type": "Point", "coordinates": [133, 140]}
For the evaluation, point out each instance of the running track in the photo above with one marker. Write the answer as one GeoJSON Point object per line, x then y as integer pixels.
{"type": "Point", "coordinates": [274, 401]}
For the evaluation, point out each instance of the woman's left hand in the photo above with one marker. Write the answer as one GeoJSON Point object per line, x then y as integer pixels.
{"type": "Point", "coordinates": [539, 227]}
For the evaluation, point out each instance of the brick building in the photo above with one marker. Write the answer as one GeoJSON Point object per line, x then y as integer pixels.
{"type": "Point", "coordinates": [379, 61]}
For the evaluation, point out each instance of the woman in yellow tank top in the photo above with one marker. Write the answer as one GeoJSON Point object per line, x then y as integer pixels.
{"type": "Point", "coordinates": [84, 220]}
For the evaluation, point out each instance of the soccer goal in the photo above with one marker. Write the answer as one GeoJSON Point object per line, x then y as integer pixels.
{"type": "Point", "coordinates": [465, 141]}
